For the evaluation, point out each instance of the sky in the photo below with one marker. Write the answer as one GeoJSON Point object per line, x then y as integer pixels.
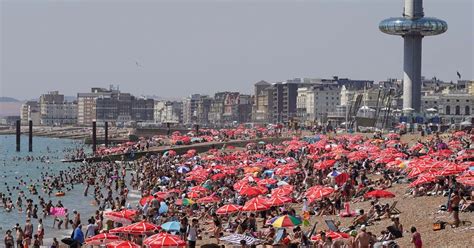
{"type": "Point", "coordinates": [176, 48]}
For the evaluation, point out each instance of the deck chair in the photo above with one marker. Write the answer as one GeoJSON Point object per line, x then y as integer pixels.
{"type": "Point", "coordinates": [331, 225]}
{"type": "Point", "coordinates": [394, 209]}
{"type": "Point", "coordinates": [278, 236]}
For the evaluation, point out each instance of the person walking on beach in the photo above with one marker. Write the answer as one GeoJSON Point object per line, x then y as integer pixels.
{"type": "Point", "coordinates": [363, 238]}
{"type": "Point", "coordinates": [416, 238]}
{"type": "Point", "coordinates": [192, 233]}
{"type": "Point", "coordinates": [455, 200]}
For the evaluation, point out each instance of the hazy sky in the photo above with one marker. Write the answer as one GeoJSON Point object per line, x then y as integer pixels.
{"type": "Point", "coordinates": [187, 47]}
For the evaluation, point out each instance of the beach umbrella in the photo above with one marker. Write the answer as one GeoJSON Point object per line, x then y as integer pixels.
{"type": "Point", "coordinates": [208, 199]}
{"type": "Point", "coordinates": [468, 181]}
{"type": "Point", "coordinates": [171, 226]}
{"type": "Point", "coordinates": [193, 194]}
{"type": "Point", "coordinates": [122, 244]}
{"type": "Point", "coordinates": [228, 209]}
{"type": "Point", "coordinates": [332, 235]}
{"type": "Point", "coordinates": [199, 189]}
{"type": "Point", "coordinates": [318, 192]}
{"type": "Point", "coordinates": [324, 164]}
{"type": "Point", "coordinates": [286, 221]}
{"type": "Point", "coordinates": [161, 195]}
{"type": "Point", "coordinates": [184, 202]}
{"type": "Point", "coordinates": [277, 200]}
{"type": "Point", "coordinates": [183, 169]}
{"type": "Point", "coordinates": [379, 194]}
{"type": "Point", "coordinates": [218, 176]}
{"type": "Point", "coordinates": [102, 238]}
{"type": "Point", "coordinates": [284, 190]}
{"type": "Point", "coordinates": [422, 179]}
{"type": "Point", "coordinates": [267, 181]}
{"type": "Point", "coordinates": [142, 227]}
{"type": "Point", "coordinates": [124, 216]}
{"type": "Point", "coordinates": [146, 199]}
{"type": "Point", "coordinates": [255, 204]}
{"type": "Point", "coordinates": [252, 191]}
{"type": "Point", "coordinates": [164, 240]}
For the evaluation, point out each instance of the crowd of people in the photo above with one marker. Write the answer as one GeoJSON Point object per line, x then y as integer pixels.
{"type": "Point", "coordinates": [244, 191]}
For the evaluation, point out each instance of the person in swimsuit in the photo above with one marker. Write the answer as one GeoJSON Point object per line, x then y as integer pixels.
{"type": "Point", "coordinates": [8, 240]}
{"type": "Point", "coordinates": [455, 200]}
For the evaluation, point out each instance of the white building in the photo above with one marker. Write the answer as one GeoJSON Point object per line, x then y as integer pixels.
{"type": "Point", "coordinates": [54, 111]}
{"type": "Point", "coordinates": [315, 102]}
{"type": "Point", "coordinates": [57, 114]}
{"type": "Point", "coordinates": [168, 112]}
{"type": "Point", "coordinates": [30, 110]}
{"type": "Point", "coordinates": [452, 105]}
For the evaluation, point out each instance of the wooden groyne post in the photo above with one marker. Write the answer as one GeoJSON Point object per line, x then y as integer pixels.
{"type": "Point", "coordinates": [18, 133]}
{"type": "Point", "coordinates": [94, 137]}
{"type": "Point", "coordinates": [106, 134]}
{"type": "Point", "coordinates": [30, 135]}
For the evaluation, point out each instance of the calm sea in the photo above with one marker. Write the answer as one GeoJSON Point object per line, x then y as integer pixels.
{"type": "Point", "coordinates": [12, 171]}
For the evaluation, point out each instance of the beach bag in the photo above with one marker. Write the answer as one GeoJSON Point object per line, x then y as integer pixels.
{"type": "Point", "coordinates": [438, 225]}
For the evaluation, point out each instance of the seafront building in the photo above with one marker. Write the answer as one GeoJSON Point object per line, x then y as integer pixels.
{"type": "Point", "coordinates": [55, 111]}
{"type": "Point", "coordinates": [168, 112]}
{"type": "Point", "coordinates": [113, 106]}
{"type": "Point", "coordinates": [30, 110]}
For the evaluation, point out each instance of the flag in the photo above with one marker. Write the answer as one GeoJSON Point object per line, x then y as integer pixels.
{"type": "Point", "coordinates": [459, 75]}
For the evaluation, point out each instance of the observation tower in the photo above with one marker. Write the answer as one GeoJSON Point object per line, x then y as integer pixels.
{"type": "Point", "coordinates": [413, 26]}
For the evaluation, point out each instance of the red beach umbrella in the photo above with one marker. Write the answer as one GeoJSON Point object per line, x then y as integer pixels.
{"type": "Point", "coordinates": [318, 192]}
{"type": "Point", "coordinates": [164, 240]}
{"type": "Point", "coordinates": [142, 227]}
{"type": "Point", "coordinates": [422, 179]}
{"type": "Point", "coordinates": [255, 204]}
{"type": "Point", "coordinates": [122, 244]}
{"type": "Point", "coordinates": [252, 191]}
{"type": "Point", "coordinates": [200, 189]}
{"type": "Point", "coordinates": [208, 199]}
{"type": "Point", "coordinates": [228, 209]}
{"type": "Point", "coordinates": [267, 181]}
{"type": "Point", "coordinates": [103, 238]}
{"type": "Point", "coordinates": [277, 200]}
{"type": "Point", "coordinates": [123, 216]}
{"type": "Point", "coordinates": [284, 190]}
{"type": "Point", "coordinates": [145, 199]}
{"type": "Point", "coordinates": [324, 164]}
{"type": "Point", "coordinates": [379, 194]}
{"type": "Point", "coordinates": [193, 194]}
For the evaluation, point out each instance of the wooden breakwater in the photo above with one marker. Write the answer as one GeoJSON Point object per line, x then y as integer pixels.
{"type": "Point", "coordinates": [199, 147]}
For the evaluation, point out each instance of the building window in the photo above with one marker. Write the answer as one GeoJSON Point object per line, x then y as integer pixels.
{"type": "Point", "coordinates": [448, 110]}
{"type": "Point", "coordinates": [467, 110]}
{"type": "Point", "coordinates": [457, 100]}
{"type": "Point", "coordinates": [447, 100]}
{"type": "Point", "coordinates": [435, 102]}
{"type": "Point", "coordinates": [458, 110]}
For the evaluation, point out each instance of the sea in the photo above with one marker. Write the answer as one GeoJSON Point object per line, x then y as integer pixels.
{"type": "Point", "coordinates": [13, 170]}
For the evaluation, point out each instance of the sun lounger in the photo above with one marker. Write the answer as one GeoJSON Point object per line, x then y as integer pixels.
{"type": "Point", "coordinates": [394, 209]}
{"type": "Point", "coordinates": [331, 225]}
